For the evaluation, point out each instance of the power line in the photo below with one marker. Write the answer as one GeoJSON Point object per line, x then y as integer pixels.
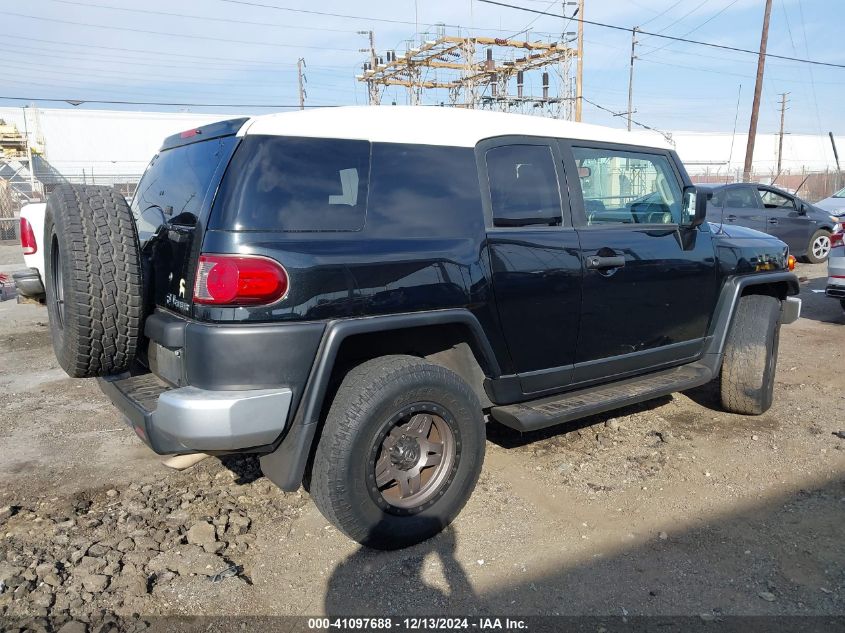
{"type": "Point", "coordinates": [365, 17]}
{"type": "Point", "coordinates": [665, 135]}
{"type": "Point", "coordinates": [684, 16]}
{"type": "Point", "coordinates": [662, 13]}
{"type": "Point", "coordinates": [175, 35]}
{"type": "Point", "coordinates": [325, 13]}
{"type": "Point", "coordinates": [627, 29]}
{"type": "Point", "coordinates": [202, 17]}
{"type": "Point", "coordinates": [703, 24]}
{"type": "Point", "coordinates": [146, 52]}
{"type": "Point", "coordinates": [76, 102]}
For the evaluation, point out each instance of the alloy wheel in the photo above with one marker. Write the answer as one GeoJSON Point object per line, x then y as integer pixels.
{"type": "Point", "coordinates": [821, 247]}
{"type": "Point", "coordinates": [414, 460]}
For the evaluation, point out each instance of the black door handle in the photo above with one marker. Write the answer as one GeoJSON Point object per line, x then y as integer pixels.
{"type": "Point", "coordinates": [594, 262]}
{"type": "Point", "coordinates": [773, 220]}
{"type": "Point", "coordinates": [730, 218]}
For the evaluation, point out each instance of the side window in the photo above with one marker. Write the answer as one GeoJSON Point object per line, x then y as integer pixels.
{"type": "Point", "coordinates": [286, 183]}
{"type": "Point", "coordinates": [717, 199]}
{"type": "Point", "coordinates": [523, 186]}
{"type": "Point", "coordinates": [772, 200]}
{"type": "Point", "coordinates": [423, 189]}
{"type": "Point", "coordinates": [741, 198]}
{"type": "Point", "coordinates": [621, 187]}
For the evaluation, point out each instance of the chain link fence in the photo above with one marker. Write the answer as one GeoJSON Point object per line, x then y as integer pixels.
{"type": "Point", "coordinates": [9, 208]}
{"type": "Point", "coordinates": [11, 201]}
{"type": "Point", "coordinates": [812, 186]}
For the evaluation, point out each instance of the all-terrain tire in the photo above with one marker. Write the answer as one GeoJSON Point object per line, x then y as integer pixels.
{"type": "Point", "coordinates": [93, 280]}
{"type": "Point", "coordinates": [819, 247]}
{"type": "Point", "coordinates": [748, 369]}
{"type": "Point", "coordinates": [368, 402]}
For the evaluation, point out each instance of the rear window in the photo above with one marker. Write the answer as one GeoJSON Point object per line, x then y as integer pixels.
{"type": "Point", "coordinates": [284, 183]}
{"type": "Point", "coordinates": [176, 182]}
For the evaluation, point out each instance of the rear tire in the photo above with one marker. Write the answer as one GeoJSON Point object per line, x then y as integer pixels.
{"type": "Point", "coordinates": [93, 280]}
{"type": "Point", "coordinates": [388, 416]}
{"type": "Point", "coordinates": [748, 369]}
{"type": "Point", "coordinates": [819, 247]}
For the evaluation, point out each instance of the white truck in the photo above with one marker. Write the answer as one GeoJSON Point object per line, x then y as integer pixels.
{"type": "Point", "coordinates": [30, 281]}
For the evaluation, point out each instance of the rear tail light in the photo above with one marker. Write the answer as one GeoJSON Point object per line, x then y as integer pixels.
{"type": "Point", "coordinates": [239, 280]}
{"type": "Point", "coordinates": [790, 262]}
{"type": "Point", "coordinates": [30, 246]}
{"type": "Point", "coordinates": [836, 238]}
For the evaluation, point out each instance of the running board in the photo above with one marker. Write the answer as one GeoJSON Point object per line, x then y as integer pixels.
{"type": "Point", "coordinates": [560, 408]}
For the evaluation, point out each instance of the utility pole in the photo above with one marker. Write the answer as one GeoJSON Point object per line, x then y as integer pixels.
{"type": "Point", "coordinates": [372, 90]}
{"type": "Point", "coordinates": [300, 64]}
{"type": "Point", "coordinates": [783, 96]}
{"type": "Point", "coordinates": [631, 75]}
{"type": "Point", "coordinates": [579, 78]}
{"type": "Point", "coordinates": [758, 89]}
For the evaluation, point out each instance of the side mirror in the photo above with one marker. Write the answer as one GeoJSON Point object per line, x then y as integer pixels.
{"type": "Point", "coordinates": [695, 206]}
{"type": "Point", "coordinates": [802, 208]}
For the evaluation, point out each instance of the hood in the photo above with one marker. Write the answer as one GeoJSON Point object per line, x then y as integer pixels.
{"type": "Point", "coordinates": [836, 206]}
{"type": "Point", "coordinates": [734, 230]}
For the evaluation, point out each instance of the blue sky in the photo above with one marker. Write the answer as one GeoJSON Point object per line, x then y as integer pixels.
{"type": "Point", "coordinates": [233, 52]}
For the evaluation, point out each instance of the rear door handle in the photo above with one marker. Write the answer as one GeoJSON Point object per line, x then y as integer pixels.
{"type": "Point", "coordinates": [730, 218]}
{"type": "Point", "coordinates": [594, 262]}
{"type": "Point", "coordinates": [773, 220]}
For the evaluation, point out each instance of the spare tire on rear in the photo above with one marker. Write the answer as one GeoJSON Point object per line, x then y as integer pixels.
{"type": "Point", "coordinates": [93, 280]}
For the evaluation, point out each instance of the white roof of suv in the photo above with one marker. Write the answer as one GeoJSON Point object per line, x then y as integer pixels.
{"type": "Point", "coordinates": [431, 125]}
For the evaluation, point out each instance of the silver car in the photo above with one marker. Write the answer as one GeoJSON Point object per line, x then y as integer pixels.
{"type": "Point", "coordinates": [835, 204]}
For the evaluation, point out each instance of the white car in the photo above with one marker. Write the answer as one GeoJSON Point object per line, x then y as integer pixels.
{"type": "Point", "coordinates": [835, 204]}
{"type": "Point", "coordinates": [836, 267]}
{"type": "Point", "coordinates": [30, 282]}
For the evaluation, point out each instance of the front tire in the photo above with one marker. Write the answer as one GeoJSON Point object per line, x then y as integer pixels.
{"type": "Point", "coordinates": [819, 247]}
{"type": "Point", "coordinates": [748, 369]}
{"type": "Point", "coordinates": [400, 453]}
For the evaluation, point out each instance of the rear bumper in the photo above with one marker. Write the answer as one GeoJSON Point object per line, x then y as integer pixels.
{"type": "Point", "coordinates": [29, 283]}
{"type": "Point", "coordinates": [837, 291]}
{"type": "Point", "coordinates": [189, 419]}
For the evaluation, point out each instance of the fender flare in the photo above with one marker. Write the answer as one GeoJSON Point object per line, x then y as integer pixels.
{"type": "Point", "coordinates": [726, 306]}
{"type": "Point", "coordinates": [285, 466]}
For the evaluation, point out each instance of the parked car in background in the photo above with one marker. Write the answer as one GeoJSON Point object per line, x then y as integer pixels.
{"type": "Point", "coordinates": [805, 228]}
{"type": "Point", "coordinates": [30, 281]}
{"type": "Point", "coordinates": [835, 204]}
{"type": "Point", "coordinates": [836, 267]}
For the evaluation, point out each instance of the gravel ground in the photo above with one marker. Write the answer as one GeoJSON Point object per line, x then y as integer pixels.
{"type": "Point", "coordinates": [671, 507]}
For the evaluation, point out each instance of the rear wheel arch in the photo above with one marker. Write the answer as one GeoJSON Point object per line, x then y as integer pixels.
{"type": "Point", "coordinates": [451, 338]}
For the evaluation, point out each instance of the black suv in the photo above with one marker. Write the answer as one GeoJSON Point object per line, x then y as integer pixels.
{"type": "Point", "coordinates": [804, 228]}
{"type": "Point", "coordinates": [352, 293]}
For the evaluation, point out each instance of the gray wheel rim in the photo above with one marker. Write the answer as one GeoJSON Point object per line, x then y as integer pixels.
{"type": "Point", "coordinates": [58, 285]}
{"type": "Point", "coordinates": [821, 247]}
{"type": "Point", "coordinates": [414, 460]}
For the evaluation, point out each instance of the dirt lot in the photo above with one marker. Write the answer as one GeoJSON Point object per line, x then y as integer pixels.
{"type": "Point", "coordinates": [670, 508]}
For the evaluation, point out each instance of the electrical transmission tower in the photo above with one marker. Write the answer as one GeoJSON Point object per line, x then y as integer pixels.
{"type": "Point", "coordinates": [477, 72]}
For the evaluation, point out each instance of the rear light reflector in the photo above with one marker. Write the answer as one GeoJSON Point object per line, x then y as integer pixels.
{"type": "Point", "coordinates": [30, 246]}
{"type": "Point", "coordinates": [239, 280]}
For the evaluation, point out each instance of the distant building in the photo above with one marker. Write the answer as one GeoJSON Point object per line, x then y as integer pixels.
{"type": "Point", "coordinates": [113, 147]}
